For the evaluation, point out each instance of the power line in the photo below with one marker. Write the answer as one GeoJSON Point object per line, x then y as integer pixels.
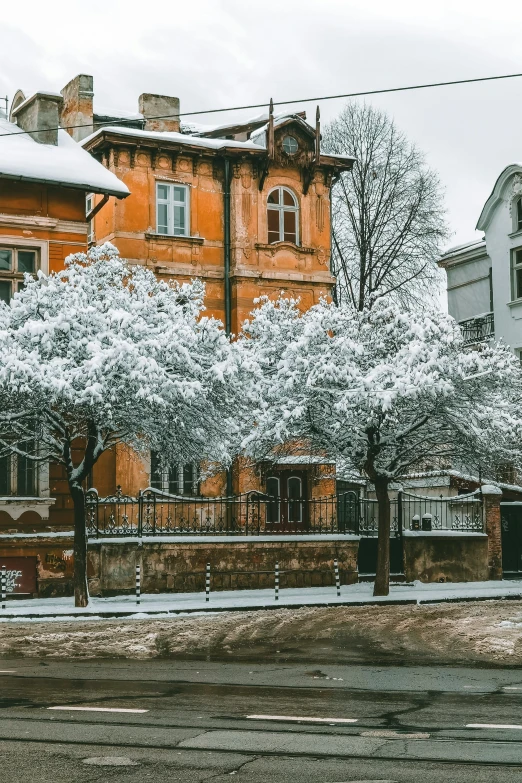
{"type": "Point", "coordinates": [360, 94]}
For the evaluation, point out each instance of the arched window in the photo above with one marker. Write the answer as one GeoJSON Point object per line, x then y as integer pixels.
{"type": "Point", "coordinates": [283, 216]}
{"type": "Point", "coordinates": [518, 216]}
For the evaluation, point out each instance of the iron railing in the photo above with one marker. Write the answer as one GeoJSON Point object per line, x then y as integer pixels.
{"type": "Point", "coordinates": [477, 330]}
{"type": "Point", "coordinates": [462, 512]}
{"type": "Point", "coordinates": [418, 512]}
{"type": "Point", "coordinates": [155, 513]}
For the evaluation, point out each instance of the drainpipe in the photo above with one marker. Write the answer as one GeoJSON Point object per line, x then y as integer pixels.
{"type": "Point", "coordinates": [228, 303]}
{"type": "Point", "coordinates": [226, 198]}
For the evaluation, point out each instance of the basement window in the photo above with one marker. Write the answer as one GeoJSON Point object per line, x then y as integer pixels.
{"type": "Point", "coordinates": [172, 209]}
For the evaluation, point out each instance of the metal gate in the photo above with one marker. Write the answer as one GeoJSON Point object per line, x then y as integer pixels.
{"type": "Point", "coordinates": [369, 529]}
{"type": "Point", "coordinates": [511, 520]}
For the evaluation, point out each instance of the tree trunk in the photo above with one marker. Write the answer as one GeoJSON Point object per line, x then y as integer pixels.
{"type": "Point", "coordinates": [382, 576]}
{"type": "Point", "coordinates": [81, 590]}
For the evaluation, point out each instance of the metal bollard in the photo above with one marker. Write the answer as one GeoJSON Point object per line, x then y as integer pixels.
{"type": "Point", "coordinates": [276, 584]}
{"type": "Point", "coordinates": [337, 579]}
{"type": "Point", "coordinates": [4, 586]}
{"type": "Point", "coordinates": [138, 584]}
{"type": "Point", "coordinates": [207, 583]}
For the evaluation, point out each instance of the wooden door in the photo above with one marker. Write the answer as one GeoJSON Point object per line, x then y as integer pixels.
{"type": "Point", "coordinates": [287, 510]}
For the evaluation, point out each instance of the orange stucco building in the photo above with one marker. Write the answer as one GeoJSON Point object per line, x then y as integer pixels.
{"type": "Point", "coordinates": [245, 208]}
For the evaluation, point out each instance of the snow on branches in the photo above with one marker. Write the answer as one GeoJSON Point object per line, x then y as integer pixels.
{"type": "Point", "coordinates": [103, 350]}
{"type": "Point", "coordinates": [380, 390]}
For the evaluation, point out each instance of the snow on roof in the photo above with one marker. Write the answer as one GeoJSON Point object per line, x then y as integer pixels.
{"type": "Point", "coordinates": [180, 138]}
{"type": "Point", "coordinates": [66, 164]}
{"type": "Point", "coordinates": [196, 141]}
{"type": "Point", "coordinates": [453, 251]}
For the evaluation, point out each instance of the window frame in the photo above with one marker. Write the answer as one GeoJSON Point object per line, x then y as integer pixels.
{"type": "Point", "coordinates": [516, 266]}
{"type": "Point", "coordinates": [89, 206]}
{"type": "Point", "coordinates": [175, 474]}
{"type": "Point", "coordinates": [517, 215]}
{"type": "Point", "coordinates": [281, 208]}
{"type": "Point", "coordinates": [14, 277]}
{"type": "Point", "coordinates": [171, 204]}
{"type": "Point", "coordinates": [17, 469]}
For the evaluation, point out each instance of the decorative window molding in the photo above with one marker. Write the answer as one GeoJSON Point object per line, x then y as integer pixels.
{"type": "Point", "coordinates": [282, 216]}
{"type": "Point", "coordinates": [172, 209]}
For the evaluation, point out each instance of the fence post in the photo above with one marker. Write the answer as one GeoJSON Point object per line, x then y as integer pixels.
{"type": "Point", "coordinates": [138, 584]}
{"type": "Point", "coordinates": [337, 580]}
{"type": "Point", "coordinates": [4, 586]}
{"type": "Point", "coordinates": [207, 583]}
{"type": "Point", "coordinates": [140, 512]}
{"type": "Point", "coordinates": [276, 584]}
{"type": "Point", "coordinates": [491, 498]}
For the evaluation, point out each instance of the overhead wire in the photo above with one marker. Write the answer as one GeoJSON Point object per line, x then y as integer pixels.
{"type": "Point", "coordinates": [359, 94]}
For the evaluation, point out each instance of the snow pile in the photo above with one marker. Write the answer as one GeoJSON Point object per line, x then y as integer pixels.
{"type": "Point", "coordinates": [67, 164]}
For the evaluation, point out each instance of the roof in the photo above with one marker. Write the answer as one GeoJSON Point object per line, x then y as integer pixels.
{"type": "Point", "coordinates": [460, 252]}
{"type": "Point", "coordinates": [66, 164]}
{"type": "Point", "coordinates": [173, 137]}
{"type": "Point", "coordinates": [496, 195]}
{"type": "Point", "coordinates": [217, 145]}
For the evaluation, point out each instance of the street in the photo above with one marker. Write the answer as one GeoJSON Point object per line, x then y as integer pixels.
{"type": "Point", "coordinates": [201, 720]}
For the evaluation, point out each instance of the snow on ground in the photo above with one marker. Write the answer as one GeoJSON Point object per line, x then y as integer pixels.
{"type": "Point", "coordinates": [172, 603]}
{"type": "Point", "coordinates": [486, 631]}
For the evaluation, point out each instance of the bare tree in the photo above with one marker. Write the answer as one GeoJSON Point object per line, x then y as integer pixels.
{"type": "Point", "coordinates": [388, 220]}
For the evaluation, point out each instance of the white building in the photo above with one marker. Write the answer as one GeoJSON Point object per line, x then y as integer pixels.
{"type": "Point", "coordinates": [485, 276]}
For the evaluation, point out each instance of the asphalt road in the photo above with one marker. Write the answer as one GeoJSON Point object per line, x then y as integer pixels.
{"type": "Point", "coordinates": [196, 721]}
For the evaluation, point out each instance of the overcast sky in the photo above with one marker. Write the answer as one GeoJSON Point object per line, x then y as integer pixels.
{"type": "Point", "coordinates": [217, 53]}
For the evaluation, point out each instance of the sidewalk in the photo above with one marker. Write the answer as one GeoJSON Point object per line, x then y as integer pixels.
{"type": "Point", "coordinates": [166, 604]}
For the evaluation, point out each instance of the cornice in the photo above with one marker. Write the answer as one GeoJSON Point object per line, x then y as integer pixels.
{"type": "Point", "coordinates": [41, 222]}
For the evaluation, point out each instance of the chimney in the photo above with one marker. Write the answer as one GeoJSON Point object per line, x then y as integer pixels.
{"type": "Point", "coordinates": [159, 106]}
{"type": "Point", "coordinates": [77, 106]}
{"type": "Point", "coordinates": [40, 116]}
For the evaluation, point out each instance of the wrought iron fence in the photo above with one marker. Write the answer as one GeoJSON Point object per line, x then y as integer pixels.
{"type": "Point", "coordinates": [419, 512]}
{"type": "Point", "coordinates": [461, 512]}
{"type": "Point", "coordinates": [477, 330]}
{"type": "Point", "coordinates": [154, 513]}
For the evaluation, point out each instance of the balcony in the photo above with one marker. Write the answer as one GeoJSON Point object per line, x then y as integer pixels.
{"type": "Point", "coordinates": [478, 330]}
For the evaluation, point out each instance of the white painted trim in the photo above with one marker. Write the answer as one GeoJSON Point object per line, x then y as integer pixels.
{"type": "Point", "coordinates": [37, 221]}
{"type": "Point", "coordinates": [38, 244]}
{"type": "Point", "coordinates": [15, 506]}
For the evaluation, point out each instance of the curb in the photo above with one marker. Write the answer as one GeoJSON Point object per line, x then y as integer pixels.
{"type": "Point", "coordinates": [254, 607]}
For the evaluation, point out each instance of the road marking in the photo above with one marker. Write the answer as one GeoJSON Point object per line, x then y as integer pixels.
{"type": "Point", "coordinates": [493, 726]}
{"type": "Point", "coordinates": [512, 688]}
{"type": "Point", "coordinates": [95, 709]}
{"type": "Point", "coordinates": [303, 719]}
{"type": "Point", "coordinates": [7, 671]}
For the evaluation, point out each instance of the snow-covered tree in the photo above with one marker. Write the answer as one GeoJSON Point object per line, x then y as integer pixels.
{"type": "Point", "coordinates": [380, 391]}
{"type": "Point", "coordinates": [103, 353]}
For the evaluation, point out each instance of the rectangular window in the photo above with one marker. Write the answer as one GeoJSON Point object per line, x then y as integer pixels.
{"type": "Point", "coordinates": [517, 274]}
{"type": "Point", "coordinates": [18, 475]}
{"type": "Point", "coordinates": [14, 263]}
{"type": "Point", "coordinates": [172, 209]}
{"type": "Point", "coordinates": [176, 480]}
{"type": "Point", "coordinates": [89, 206]}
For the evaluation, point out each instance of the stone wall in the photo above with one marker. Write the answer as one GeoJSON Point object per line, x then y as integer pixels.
{"type": "Point", "coordinates": [446, 558]}
{"type": "Point", "coordinates": [179, 565]}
